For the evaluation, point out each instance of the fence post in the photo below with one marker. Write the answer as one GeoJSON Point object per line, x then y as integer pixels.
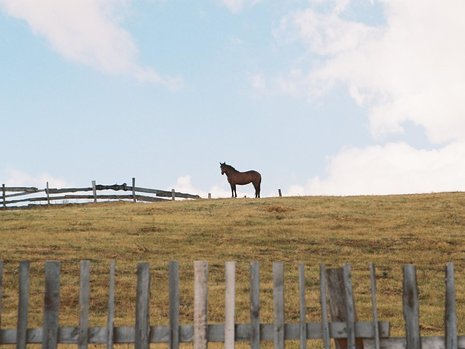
{"type": "Point", "coordinates": [230, 305]}
{"type": "Point", "coordinates": [451, 312]}
{"type": "Point", "coordinates": [23, 301]}
{"type": "Point", "coordinates": [303, 308]}
{"type": "Point", "coordinates": [173, 194]}
{"type": "Point", "coordinates": [174, 303]}
{"type": "Point", "coordinates": [411, 307]}
{"type": "Point", "coordinates": [142, 329]}
{"type": "Point", "coordinates": [200, 304]}
{"type": "Point", "coordinates": [48, 195]}
{"type": "Point", "coordinates": [94, 190]}
{"type": "Point", "coordinates": [3, 195]}
{"type": "Point", "coordinates": [374, 305]}
{"type": "Point", "coordinates": [342, 305]}
{"type": "Point", "coordinates": [324, 308]}
{"type": "Point", "coordinates": [255, 305]}
{"type": "Point", "coordinates": [84, 297]}
{"type": "Point", "coordinates": [134, 189]}
{"type": "Point", "coordinates": [111, 305]}
{"type": "Point", "coordinates": [279, 192]}
{"type": "Point", "coordinates": [51, 305]}
{"type": "Point", "coordinates": [278, 304]}
{"type": "Point", "coordinates": [1, 291]}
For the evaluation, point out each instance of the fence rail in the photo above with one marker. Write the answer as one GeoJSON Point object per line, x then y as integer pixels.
{"type": "Point", "coordinates": [336, 284]}
{"type": "Point", "coordinates": [18, 195]}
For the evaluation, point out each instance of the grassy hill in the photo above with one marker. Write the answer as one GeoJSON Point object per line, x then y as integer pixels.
{"type": "Point", "coordinates": [426, 230]}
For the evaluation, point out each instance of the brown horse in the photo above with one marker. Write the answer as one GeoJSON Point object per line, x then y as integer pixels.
{"type": "Point", "coordinates": [241, 178]}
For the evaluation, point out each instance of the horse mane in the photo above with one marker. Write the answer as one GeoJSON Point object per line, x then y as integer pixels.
{"type": "Point", "coordinates": [229, 166]}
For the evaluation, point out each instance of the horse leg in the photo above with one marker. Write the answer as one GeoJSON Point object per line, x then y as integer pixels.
{"type": "Point", "coordinates": [233, 191]}
{"type": "Point", "coordinates": [257, 189]}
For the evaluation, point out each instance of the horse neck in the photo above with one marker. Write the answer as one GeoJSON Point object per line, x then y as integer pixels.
{"type": "Point", "coordinates": [230, 170]}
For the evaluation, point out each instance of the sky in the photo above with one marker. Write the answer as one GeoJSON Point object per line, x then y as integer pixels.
{"type": "Point", "coordinates": [322, 97]}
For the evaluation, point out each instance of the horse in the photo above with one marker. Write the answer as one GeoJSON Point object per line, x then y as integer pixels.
{"type": "Point", "coordinates": [241, 178]}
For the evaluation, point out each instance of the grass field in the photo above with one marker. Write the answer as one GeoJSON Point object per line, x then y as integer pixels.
{"type": "Point", "coordinates": [426, 230]}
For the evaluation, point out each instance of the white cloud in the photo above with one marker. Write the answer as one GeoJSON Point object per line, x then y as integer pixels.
{"type": "Point", "coordinates": [237, 6]}
{"type": "Point", "coordinates": [392, 168]}
{"type": "Point", "coordinates": [409, 69]}
{"type": "Point", "coordinates": [17, 178]}
{"type": "Point", "coordinates": [87, 32]}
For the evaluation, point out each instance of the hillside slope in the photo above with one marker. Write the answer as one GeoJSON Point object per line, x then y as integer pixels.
{"type": "Point", "coordinates": [426, 230]}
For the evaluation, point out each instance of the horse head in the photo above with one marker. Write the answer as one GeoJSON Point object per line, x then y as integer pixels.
{"type": "Point", "coordinates": [222, 166]}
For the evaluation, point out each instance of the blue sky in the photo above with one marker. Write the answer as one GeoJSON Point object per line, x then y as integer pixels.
{"type": "Point", "coordinates": [322, 97]}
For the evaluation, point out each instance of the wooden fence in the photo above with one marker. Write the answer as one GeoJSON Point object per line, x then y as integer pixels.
{"type": "Point", "coordinates": [335, 284]}
{"type": "Point", "coordinates": [12, 196]}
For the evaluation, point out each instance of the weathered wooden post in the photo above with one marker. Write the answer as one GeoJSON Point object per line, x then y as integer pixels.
{"type": "Point", "coordinates": [173, 194]}
{"type": "Point", "coordinates": [451, 310]}
{"type": "Point", "coordinates": [94, 190]}
{"type": "Point", "coordinates": [411, 307]}
{"type": "Point", "coordinates": [200, 304]}
{"type": "Point", "coordinates": [51, 305]}
{"type": "Point", "coordinates": [209, 195]}
{"type": "Point", "coordinates": [134, 189]}
{"type": "Point", "coordinates": [142, 331]}
{"type": "Point", "coordinates": [280, 193]}
{"type": "Point", "coordinates": [84, 301]}
{"type": "Point", "coordinates": [303, 308]}
{"type": "Point", "coordinates": [255, 305]}
{"type": "Point", "coordinates": [278, 305]}
{"type": "Point", "coordinates": [23, 302]}
{"type": "Point", "coordinates": [48, 195]}
{"type": "Point", "coordinates": [342, 305]}
{"type": "Point", "coordinates": [4, 195]}
{"type": "Point", "coordinates": [230, 305]}
{"type": "Point", "coordinates": [111, 305]}
{"type": "Point", "coordinates": [174, 304]}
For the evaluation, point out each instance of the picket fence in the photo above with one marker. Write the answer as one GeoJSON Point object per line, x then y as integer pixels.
{"type": "Point", "coordinates": [335, 285]}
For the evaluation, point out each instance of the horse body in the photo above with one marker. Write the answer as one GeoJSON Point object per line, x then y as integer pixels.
{"type": "Point", "coordinates": [241, 178]}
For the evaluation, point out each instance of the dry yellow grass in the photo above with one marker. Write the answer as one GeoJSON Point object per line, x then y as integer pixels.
{"type": "Point", "coordinates": [427, 230]}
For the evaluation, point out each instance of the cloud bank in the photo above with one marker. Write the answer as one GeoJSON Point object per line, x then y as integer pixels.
{"type": "Point", "coordinates": [236, 6]}
{"type": "Point", "coordinates": [407, 69]}
{"type": "Point", "coordinates": [87, 32]}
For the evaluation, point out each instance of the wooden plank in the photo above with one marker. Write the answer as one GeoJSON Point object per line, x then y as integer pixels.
{"type": "Point", "coordinates": [230, 305]}
{"type": "Point", "coordinates": [161, 334]}
{"type": "Point", "coordinates": [200, 304]}
{"type": "Point", "coordinates": [278, 305]}
{"type": "Point", "coordinates": [411, 307]}
{"type": "Point", "coordinates": [174, 304]}
{"type": "Point", "coordinates": [255, 305]}
{"type": "Point", "coordinates": [338, 303]}
{"type": "Point", "coordinates": [1, 291]}
{"type": "Point", "coordinates": [350, 306]}
{"type": "Point", "coordinates": [51, 305]}
{"type": "Point", "coordinates": [427, 342]}
{"type": "Point", "coordinates": [451, 309]}
{"type": "Point", "coordinates": [111, 306]}
{"type": "Point", "coordinates": [374, 304]}
{"type": "Point", "coordinates": [303, 308]}
{"type": "Point", "coordinates": [142, 306]}
{"type": "Point", "coordinates": [84, 300]}
{"type": "Point", "coordinates": [25, 189]}
{"type": "Point", "coordinates": [324, 308]}
{"type": "Point", "coordinates": [23, 302]}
